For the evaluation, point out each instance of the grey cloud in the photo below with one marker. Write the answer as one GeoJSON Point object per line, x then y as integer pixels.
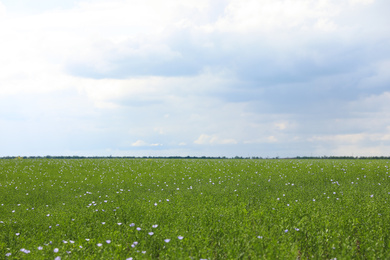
{"type": "Point", "coordinates": [258, 63]}
{"type": "Point", "coordinates": [263, 59]}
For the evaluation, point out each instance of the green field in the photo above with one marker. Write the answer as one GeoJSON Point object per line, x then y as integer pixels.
{"type": "Point", "coordinates": [194, 209]}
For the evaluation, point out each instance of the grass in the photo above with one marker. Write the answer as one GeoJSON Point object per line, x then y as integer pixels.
{"type": "Point", "coordinates": [209, 209]}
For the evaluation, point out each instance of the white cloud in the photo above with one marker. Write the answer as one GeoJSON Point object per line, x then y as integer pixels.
{"type": "Point", "coordinates": [357, 150]}
{"type": "Point", "coordinates": [272, 139]}
{"type": "Point", "coordinates": [139, 143]}
{"type": "Point", "coordinates": [3, 11]}
{"type": "Point", "coordinates": [213, 139]}
{"type": "Point", "coordinates": [341, 139]}
{"type": "Point", "coordinates": [364, 2]}
{"type": "Point", "coordinates": [204, 139]}
{"type": "Point", "coordinates": [326, 25]}
{"type": "Point", "coordinates": [269, 15]}
{"type": "Point", "coordinates": [281, 126]}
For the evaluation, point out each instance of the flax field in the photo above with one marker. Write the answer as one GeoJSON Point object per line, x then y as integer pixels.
{"type": "Point", "coordinates": [194, 209]}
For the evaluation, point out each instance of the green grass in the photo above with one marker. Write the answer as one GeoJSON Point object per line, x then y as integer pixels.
{"type": "Point", "coordinates": [222, 209]}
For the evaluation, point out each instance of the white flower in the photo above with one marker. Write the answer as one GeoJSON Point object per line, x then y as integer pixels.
{"type": "Point", "coordinates": [167, 240]}
{"type": "Point", "coordinates": [55, 250]}
{"type": "Point", "coordinates": [108, 241]}
{"type": "Point", "coordinates": [138, 228]}
{"type": "Point", "coordinates": [143, 252]}
{"type": "Point", "coordinates": [99, 244]}
{"type": "Point", "coordinates": [40, 247]}
{"type": "Point", "coordinates": [150, 233]}
{"type": "Point", "coordinates": [87, 239]}
{"type": "Point", "coordinates": [132, 225]}
{"type": "Point", "coordinates": [71, 241]}
{"type": "Point", "coordinates": [286, 231]}
{"type": "Point", "coordinates": [154, 226]}
{"type": "Point", "coordinates": [180, 237]}
{"type": "Point", "coordinates": [130, 258]}
{"type": "Point", "coordinates": [119, 224]}
{"type": "Point", "coordinates": [57, 258]}
{"type": "Point", "coordinates": [260, 237]}
{"type": "Point", "coordinates": [8, 254]}
{"type": "Point", "coordinates": [17, 234]}
{"type": "Point", "coordinates": [103, 223]}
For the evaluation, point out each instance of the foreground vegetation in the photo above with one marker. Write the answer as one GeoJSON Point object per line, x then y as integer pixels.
{"type": "Point", "coordinates": [194, 209]}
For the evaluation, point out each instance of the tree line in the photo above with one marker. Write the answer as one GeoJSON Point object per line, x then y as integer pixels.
{"type": "Point", "coordinates": [192, 157]}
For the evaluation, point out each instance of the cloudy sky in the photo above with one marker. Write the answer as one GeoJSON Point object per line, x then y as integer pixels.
{"type": "Point", "coordinates": [195, 77]}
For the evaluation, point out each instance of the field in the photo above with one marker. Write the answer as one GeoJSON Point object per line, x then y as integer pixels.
{"type": "Point", "coordinates": [194, 209]}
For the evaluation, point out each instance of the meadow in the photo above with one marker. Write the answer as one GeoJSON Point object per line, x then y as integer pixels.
{"type": "Point", "coordinates": [194, 209]}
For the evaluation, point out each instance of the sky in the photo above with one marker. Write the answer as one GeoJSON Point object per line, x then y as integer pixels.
{"type": "Point", "coordinates": [228, 78]}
